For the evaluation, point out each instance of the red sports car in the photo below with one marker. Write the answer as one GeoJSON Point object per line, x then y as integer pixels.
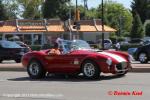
{"type": "Point", "coordinates": [77, 57]}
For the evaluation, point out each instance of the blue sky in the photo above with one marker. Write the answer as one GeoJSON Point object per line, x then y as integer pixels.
{"type": "Point", "coordinates": [95, 3]}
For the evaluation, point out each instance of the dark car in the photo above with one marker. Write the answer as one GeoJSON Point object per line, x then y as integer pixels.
{"type": "Point", "coordinates": [11, 51]}
{"type": "Point", "coordinates": [23, 45]}
{"type": "Point", "coordinates": [142, 54]}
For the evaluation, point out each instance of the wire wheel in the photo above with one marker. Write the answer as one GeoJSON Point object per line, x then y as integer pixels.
{"type": "Point", "coordinates": [90, 69]}
{"type": "Point", "coordinates": [35, 70]}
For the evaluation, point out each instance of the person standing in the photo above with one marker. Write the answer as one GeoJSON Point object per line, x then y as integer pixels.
{"type": "Point", "coordinates": [117, 46]}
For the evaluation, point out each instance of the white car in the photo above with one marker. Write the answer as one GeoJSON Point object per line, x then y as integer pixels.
{"type": "Point", "coordinates": [107, 44]}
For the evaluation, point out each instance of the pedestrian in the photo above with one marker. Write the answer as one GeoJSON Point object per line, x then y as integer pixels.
{"type": "Point", "coordinates": [117, 46]}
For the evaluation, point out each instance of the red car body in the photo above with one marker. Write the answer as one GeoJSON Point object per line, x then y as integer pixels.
{"type": "Point", "coordinates": [106, 61]}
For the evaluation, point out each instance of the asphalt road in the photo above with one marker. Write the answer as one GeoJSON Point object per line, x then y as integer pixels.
{"type": "Point", "coordinates": [18, 86]}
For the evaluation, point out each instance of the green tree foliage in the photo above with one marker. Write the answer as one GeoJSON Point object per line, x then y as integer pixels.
{"type": "Point", "coordinates": [88, 14]}
{"type": "Point", "coordinates": [116, 16]}
{"type": "Point", "coordinates": [31, 8]}
{"type": "Point", "coordinates": [137, 28]}
{"type": "Point", "coordinates": [91, 14]}
{"type": "Point", "coordinates": [11, 8]}
{"type": "Point", "coordinates": [142, 7]}
{"type": "Point", "coordinates": [56, 9]}
{"type": "Point", "coordinates": [147, 29]}
{"type": "Point", "coordinates": [3, 13]}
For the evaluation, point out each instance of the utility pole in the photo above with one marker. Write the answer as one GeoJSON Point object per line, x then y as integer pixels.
{"type": "Point", "coordinates": [70, 19]}
{"type": "Point", "coordinates": [102, 25]}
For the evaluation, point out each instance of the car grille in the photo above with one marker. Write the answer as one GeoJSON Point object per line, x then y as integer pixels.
{"type": "Point", "coordinates": [121, 65]}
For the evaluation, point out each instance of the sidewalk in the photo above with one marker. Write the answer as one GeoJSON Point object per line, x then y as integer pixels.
{"type": "Point", "coordinates": [140, 68]}
{"type": "Point", "coordinates": [11, 66]}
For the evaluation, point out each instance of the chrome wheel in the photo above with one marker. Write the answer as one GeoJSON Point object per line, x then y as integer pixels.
{"type": "Point", "coordinates": [90, 69]}
{"type": "Point", "coordinates": [143, 57]}
{"type": "Point", "coordinates": [34, 68]}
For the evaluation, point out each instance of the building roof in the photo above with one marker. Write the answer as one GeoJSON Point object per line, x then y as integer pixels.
{"type": "Point", "coordinates": [52, 25]}
{"type": "Point", "coordinates": [85, 26]}
{"type": "Point", "coordinates": [92, 26]}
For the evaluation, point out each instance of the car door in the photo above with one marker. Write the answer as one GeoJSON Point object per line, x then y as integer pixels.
{"type": "Point", "coordinates": [3, 52]}
{"type": "Point", "coordinates": [148, 50]}
{"type": "Point", "coordinates": [64, 63]}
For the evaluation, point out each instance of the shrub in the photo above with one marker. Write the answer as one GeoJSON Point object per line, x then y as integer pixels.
{"type": "Point", "coordinates": [36, 47]}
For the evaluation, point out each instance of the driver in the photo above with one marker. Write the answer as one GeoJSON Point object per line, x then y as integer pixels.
{"type": "Point", "coordinates": [55, 50]}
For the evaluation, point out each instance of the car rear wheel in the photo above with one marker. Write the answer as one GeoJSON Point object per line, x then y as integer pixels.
{"type": "Point", "coordinates": [36, 70]}
{"type": "Point", "coordinates": [143, 58]}
{"type": "Point", "coordinates": [90, 69]}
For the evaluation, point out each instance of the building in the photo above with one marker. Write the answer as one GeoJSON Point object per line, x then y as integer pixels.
{"type": "Point", "coordinates": [40, 32]}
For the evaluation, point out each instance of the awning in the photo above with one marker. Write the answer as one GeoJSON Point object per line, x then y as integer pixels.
{"type": "Point", "coordinates": [52, 25]}
{"type": "Point", "coordinates": [106, 28]}
{"type": "Point", "coordinates": [92, 26]}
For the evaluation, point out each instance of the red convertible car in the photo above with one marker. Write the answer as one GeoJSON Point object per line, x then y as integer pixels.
{"type": "Point", "coordinates": [77, 57]}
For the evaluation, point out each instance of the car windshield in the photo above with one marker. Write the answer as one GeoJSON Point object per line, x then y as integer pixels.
{"type": "Point", "coordinates": [9, 44]}
{"type": "Point", "coordinates": [80, 44]}
{"type": "Point", "coordinates": [67, 45]}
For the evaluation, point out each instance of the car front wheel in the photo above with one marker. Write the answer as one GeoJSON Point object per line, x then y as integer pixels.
{"type": "Point", "coordinates": [36, 70]}
{"type": "Point", "coordinates": [90, 69]}
{"type": "Point", "coordinates": [143, 58]}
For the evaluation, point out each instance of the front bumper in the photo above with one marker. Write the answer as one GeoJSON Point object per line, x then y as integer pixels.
{"type": "Point", "coordinates": [122, 67]}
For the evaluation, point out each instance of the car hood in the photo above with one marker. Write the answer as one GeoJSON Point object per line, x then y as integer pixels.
{"type": "Point", "coordinates": [116, 57]}
{"type": "Point", "coordinates": [102, 54]}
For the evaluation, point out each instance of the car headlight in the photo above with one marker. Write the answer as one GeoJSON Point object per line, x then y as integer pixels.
{"type": "Point", "coordinates": [109, 61]}
{"type": "Point", "coordinates": [130, 58]}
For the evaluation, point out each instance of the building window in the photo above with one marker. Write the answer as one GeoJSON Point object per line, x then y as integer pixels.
{"type": "Point", "coordinates": [37, 38]}
{"type": "Point", "coordinates": [27, 39]}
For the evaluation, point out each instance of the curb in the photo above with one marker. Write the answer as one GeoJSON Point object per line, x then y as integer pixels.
{"type": "Point", "coordinates": [140, 70]}
{"type": "Point", "coordinates": [13, 69]}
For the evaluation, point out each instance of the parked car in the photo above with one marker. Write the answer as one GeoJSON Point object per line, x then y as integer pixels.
{"type": "Point", "coordinates": [11, 51]}
{"type": "Point", "coordinates": [77, 58]}
{"type": "Point", "coordinates": [136, 41]}
{"type": "Point", "coordinates": [132, 51]}
{"type": "Point", "coordinates": [146, 42]}
{"type": "Point", "coordinates": [107, 43]}
{"type": "Point", "coordinates": [92, 44]}
{"type": "Point", "coordinates": [23, 45]}
{"type": "Point", "coordinates": [142, 53]}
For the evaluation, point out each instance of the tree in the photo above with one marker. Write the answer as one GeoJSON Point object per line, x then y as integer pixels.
{"type": "Point", "coordinates": [11, 8]}
{"type": "Point", "coordinates": [142, 8]}
{"type": "Point", "coordinates": [3, 14]}
{"type": "Point", "coordinates": [116, 16]}
{"type": "Point", "coordinates": [137, 28]}
{"type": "Point", "coordinates": [147, 29]}
{"type": "Point", "coordinates": [56, 9]}
{"type": "Point", "coordinates": [31, 8]}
